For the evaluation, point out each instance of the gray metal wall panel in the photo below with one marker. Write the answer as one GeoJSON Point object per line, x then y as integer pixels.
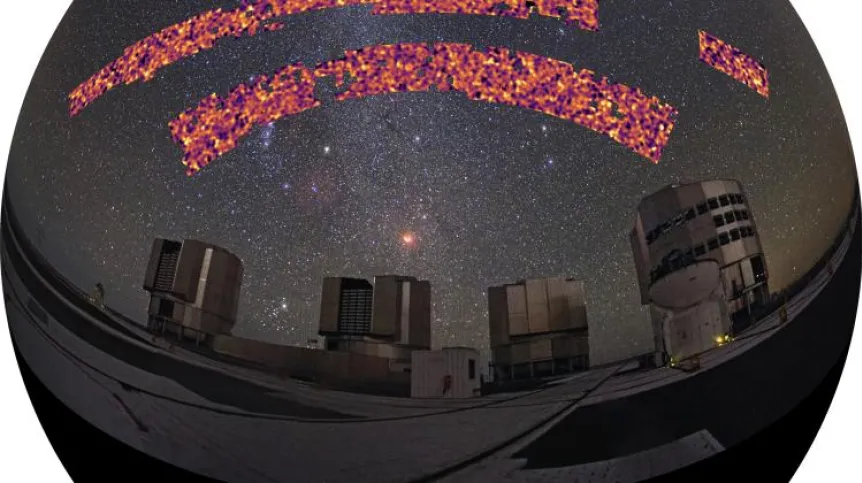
{"type": "Point", "coordinates": [498, 316]}
{"type": "Point", "coordinates": [404, 313]}
{"type": "Point", "coordinates": [386, 305]}
{"type": "Point", "coordinates": [558, 304]}
{"type": "Point", "coordinates": [537, 306]}
{"type": "Point", "coordinates": [430, 368]}
{"type": "Point", "coordinates": [520, 353]}
{"type": "Point", "coordinates": [188, 270]}
{"type": "Point", "coordinates": [540, 350]}
{"type": "Point", "coordinates": [747, 273]}
{"type": "Point", "coordinates": [330, 299]}
{"type": "Point", "coordinates": [420, 314]}
{"type": "Point", "coordinates": [577, 304]}
{"type": "Point", "coordinates": [516, 299]}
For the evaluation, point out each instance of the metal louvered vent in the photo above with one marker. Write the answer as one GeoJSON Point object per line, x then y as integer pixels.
{"type": "Point", "coordinates": [167, 268]}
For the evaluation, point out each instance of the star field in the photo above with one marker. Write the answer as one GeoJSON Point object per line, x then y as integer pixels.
{"type": "Point", "coordinates": [488, 194]}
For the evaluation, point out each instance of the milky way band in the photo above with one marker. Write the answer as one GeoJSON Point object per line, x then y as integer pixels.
{"type": "Point", "coordinates": [640, 122]}
{"type": "Point", "coordinates": [141, 60]}
{"type": "Point", "coordinates": [215, 126]}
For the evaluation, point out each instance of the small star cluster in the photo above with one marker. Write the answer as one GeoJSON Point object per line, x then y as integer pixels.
{"type": "Point", "coordinates": [464, 194]}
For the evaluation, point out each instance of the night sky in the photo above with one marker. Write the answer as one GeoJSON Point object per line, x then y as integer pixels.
{"type": "Point", "coordinates": [490, 193]}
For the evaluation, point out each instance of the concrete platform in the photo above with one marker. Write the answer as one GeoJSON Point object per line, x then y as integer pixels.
{"type": "Point", "coordinates": [235, 424]}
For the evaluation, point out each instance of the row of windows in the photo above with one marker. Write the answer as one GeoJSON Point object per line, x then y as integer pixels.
{"type": "Point", "coordinates": [678, 259]}
{"type": "Point", "coordinates": [730, 217]}
{"type": "Point", "coordinates": [689, 214]}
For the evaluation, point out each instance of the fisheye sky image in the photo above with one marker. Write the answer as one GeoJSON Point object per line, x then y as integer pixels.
{"type": "Point", "coordinates": [462, 193]}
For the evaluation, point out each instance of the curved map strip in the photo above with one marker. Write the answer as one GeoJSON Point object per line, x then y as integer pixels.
{"type": "Point", "coordinates": [726, 58]}
{"type": "Point", "coordinates": [141, 60]}
{"type": "Point", "coordinates": [626, 115]}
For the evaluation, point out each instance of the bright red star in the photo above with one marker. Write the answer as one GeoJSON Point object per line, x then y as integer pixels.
{"type": "Point", "coordinates": [408, 239]}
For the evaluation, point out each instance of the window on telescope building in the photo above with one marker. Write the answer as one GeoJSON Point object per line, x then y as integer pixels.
{"type": "Point", "coordinates": [744, 214]}
{"type": "Point", "coordinates": [723, 200]}
{"type": "Point", "coordinates": [712, 243]}
{"type": "Point", "coordinates": [758, 268]}
{"type": "Point", "coordinates": [702, 208]}
{"type": "Point", "coordinates": [728, 217]}
{"type": "Point", "coordinates": [700, 250]}
{"type": "Point", "coordinates": [734, 234]}
{"type": "Point", "coordinates": [713, 203]}
{"type": "Point", "coordinates": [724, 239]}
{"type": "Point", "coordinates": [471, 369]}
{"type": "Point", "coordinates": [719, 220]}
